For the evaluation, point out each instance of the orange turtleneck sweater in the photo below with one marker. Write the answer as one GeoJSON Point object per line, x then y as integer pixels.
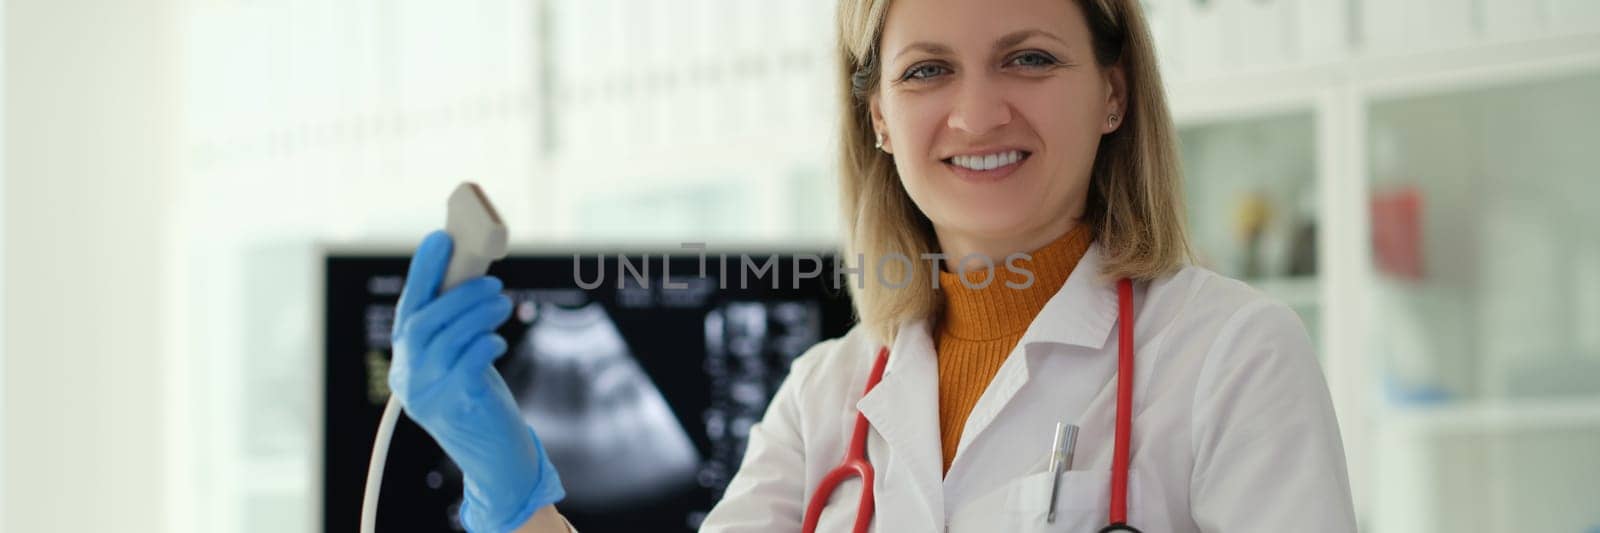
{"type": "Point", "coordinates": [978, 327]}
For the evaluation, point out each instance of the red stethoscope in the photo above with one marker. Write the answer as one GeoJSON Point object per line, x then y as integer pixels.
{"type": "Point", "coordinates": [855, 458]}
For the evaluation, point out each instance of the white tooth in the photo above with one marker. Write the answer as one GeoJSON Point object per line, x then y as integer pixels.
{"type": "Point", "coordinates": [988, 162]}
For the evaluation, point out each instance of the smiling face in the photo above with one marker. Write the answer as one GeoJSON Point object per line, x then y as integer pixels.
{"type": "Point", "coordinates": [993, 111]}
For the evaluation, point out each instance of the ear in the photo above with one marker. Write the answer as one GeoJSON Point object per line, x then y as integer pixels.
{"type": "Point", "coordinates": [1116, 99]}
{"type": "Point", "coordinates": [879, 125]}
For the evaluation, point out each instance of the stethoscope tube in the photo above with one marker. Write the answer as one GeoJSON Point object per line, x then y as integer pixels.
{"type": "Point", "coordinates": [855, 464]}
{"type": "Point", "coordinates": [855, 458]}
{"type": "Point", "coordinates": [1124, 430]}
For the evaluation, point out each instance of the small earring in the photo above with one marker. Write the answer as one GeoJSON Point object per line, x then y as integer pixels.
{"type": "Point", "coordinates": [1113, 119]}
{"type": "Point", "coordinates": [880, 141]}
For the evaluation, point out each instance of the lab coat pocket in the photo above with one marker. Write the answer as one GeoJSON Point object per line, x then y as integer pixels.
{"type": "Point", "coordinates": [1082, 500]}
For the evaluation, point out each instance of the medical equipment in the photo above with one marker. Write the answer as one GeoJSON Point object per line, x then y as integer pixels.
{"type": "Point", "coordinates": [727, 353]}
{"type": "Point", "coordinates": [1061, 449]}
{"type": "Point", "coordinates": [478, 238]}
{"type": "Point", "coordinates": [478, 234]}
{"type": "Point", "coordinates": [855, 459]}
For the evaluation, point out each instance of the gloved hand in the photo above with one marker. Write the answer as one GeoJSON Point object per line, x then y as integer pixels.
{"type": "Point", "coordinates": [443, 374]}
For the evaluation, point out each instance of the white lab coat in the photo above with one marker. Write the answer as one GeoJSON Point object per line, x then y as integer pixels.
{"type": "Point", "coordinates": [1233, 431]}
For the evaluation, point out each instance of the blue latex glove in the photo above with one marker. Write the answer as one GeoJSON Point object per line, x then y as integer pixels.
{"type": "Point", "coordinates": [443, 373]}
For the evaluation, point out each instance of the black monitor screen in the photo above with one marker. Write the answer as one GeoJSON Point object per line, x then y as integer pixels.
{"type": "Point", "coordinates": [642, 388]}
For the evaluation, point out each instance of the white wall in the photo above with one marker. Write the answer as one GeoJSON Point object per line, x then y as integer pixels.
{"type": "Point", "coordinates": [89, 100]}
{"type": "Point", "coordinates": [310, 123]}
{"type": "Point", "coordinates": [2, 271]}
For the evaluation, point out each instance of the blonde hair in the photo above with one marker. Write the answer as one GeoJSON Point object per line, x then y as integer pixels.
{"type": "Point", "coordinates": [1135, 203]}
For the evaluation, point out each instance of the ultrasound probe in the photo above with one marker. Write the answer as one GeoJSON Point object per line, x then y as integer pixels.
{"type": "Point", "coordinates": [478, 238]}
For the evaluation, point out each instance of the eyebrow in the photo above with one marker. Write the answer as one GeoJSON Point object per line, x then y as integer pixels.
{"type": "Point", "coordinates": [1006, 41]}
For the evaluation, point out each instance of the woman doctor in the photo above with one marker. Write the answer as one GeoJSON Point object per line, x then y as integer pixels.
{"type": "Point", "coordinates": [1027, 144]}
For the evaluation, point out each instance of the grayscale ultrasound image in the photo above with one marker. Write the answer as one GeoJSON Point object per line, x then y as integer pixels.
{"type": "Point", "coordinates": [643, 395]}
{"type": "Point", "coordinates": [601, 418]}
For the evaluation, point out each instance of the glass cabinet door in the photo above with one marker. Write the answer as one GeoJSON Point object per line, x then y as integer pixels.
{"type": "Point", "coordinates": [1485, 307]}
{"type": "Point", "coordinates": [1251, 187]}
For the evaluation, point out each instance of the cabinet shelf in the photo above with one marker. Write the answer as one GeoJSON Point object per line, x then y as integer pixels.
{"type": "Point", "coordinates": [1233, 96]}
{"type": "Point", "coordinates": [1480, 417]}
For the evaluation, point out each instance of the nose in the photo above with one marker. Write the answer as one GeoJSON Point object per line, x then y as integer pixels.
{"type": "Point", "coordinates": [980, 107]}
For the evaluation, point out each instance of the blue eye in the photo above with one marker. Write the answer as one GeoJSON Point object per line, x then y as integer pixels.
{"type": "Point", "coordinates": [912, 73]}
{"type": "Point", "coordinates": [1035, 60]}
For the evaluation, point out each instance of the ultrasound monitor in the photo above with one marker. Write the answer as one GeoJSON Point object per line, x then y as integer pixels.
{"type": "Point", "coordinates": [642, 374]}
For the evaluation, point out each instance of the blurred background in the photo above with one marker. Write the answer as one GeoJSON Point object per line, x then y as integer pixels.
{"type": "Point", "coordinates": [1415, 177]}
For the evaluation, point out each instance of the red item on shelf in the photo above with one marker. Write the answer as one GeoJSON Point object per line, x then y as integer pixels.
{"type": "Point", "coordinates": [1397, 232]}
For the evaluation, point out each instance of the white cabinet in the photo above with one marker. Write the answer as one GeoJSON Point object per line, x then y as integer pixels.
{"type": "Point", "coordinates": [1572, 16]}
{"type": "Point", "coordinates": [1484, 315]}
{"type": "Point", "coordinates": [1252, 199]}
{"type": "Point", "coordinates": [1446, 155]}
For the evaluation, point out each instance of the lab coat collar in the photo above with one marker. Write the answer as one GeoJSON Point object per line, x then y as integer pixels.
{"type": "Point", "coordinates": [911, 378]}
{"type": "Point", "coordinates": [1082, 313]}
